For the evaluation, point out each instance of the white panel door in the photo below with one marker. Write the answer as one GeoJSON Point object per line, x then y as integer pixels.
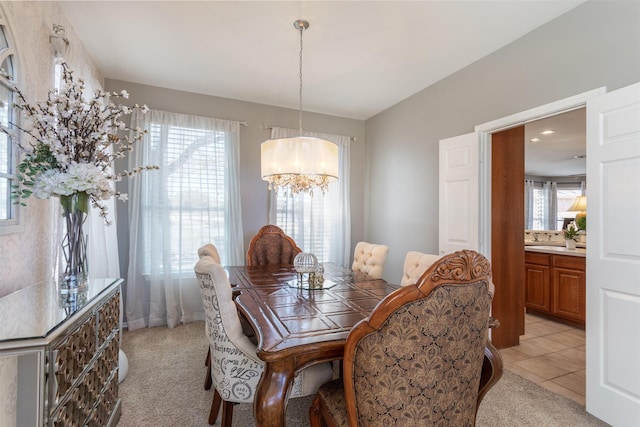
{"type": "Point", "coordinates": [458, 193]}
{"type": "Point", "coordinates": [613, 257]}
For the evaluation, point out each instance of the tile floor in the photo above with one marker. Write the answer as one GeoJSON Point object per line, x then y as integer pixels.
{"type": "Point", "coordinates": [552, 355]}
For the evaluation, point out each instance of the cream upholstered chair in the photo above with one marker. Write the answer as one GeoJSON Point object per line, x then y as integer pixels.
{"type": "Point", "coordinates": [423, 357]}
{"type": "Point", "coordinates": [235, 366]}
{"type": "Point", "coordinates": [416, 263]}
{"type": "Point", "coordinates": [369, 258]}
{"type": "Point", "coordinates": [271, 246]}
{"type": "Point", "coordinates": [211, 251]}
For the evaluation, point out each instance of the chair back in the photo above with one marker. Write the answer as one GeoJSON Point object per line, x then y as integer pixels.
{"type": "Point", "coordinates": [369, 258]}
{"type": "Point", "coordinates": [209, 250]}
{"type": "Point", "coordinates": [271, 246]}
{"type": "Point", "coordinates": [235, 367]}
{"type": "Point", "coordinates": [418, 359]}
{"type": "Point", "coordinates": [416, 263]}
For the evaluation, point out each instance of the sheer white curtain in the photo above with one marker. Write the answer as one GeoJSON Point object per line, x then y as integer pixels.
{"type": "Point", "coordinates": [320, 224]}
{"type": "Point", "coordinates": [192, 199]}
{"type": "Point", "coordinates": [528, 204]}
{"type": "Point", "coordinates": [550, 190]}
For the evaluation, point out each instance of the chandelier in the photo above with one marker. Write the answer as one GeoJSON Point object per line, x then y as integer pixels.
{"type": "Point", "coordinates": [299, 164]}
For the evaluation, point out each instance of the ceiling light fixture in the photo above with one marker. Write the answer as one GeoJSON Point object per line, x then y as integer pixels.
{"type": "Point", "coordinates": [547, 132]}
{"type": "Point", "coordinates": [535, 140]}
{"type": "Point", "coordinates": [299, 164]}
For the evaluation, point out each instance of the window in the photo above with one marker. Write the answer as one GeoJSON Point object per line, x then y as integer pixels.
{"type": "Point", "coordinates": [566, 194]}
{"type": "Point", "coordinates": [539, 208]}
{"type": "Point", "coordinates": [549, 202]}
{"type": "Point", "coordinates": [312, 220]}
{"type": "Point", "coordinates": [191, 200]}
{"type": "Point", "coordinates": [186, 203]}
{"type": "Point", "coordinates": [193, 191]}
{"type": "Point", "coordinates": [8, 151]}
{"type": "Point", "coordinates": [320, 224]}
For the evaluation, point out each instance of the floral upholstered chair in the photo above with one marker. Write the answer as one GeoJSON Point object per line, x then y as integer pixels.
{"type": "Point", "coordinates": [235, 366]}
{"type": "Point", "coordinates": [369, 258]}
{"type": "Point", "coordinates": [271, 246]}
{"type": "Point", "coordinates": [422, 358]}
{"type": "Point", "coordinates": [416, 263]}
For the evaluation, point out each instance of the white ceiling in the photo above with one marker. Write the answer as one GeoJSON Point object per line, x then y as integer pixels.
{"type": "Point", "coordinates": [554, 155]}
{"type": "Point", "coordinates": [360, 57]}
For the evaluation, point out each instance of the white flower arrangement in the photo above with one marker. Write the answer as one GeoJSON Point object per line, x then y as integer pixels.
{"type": "Point", "coordinates": [71, 142]}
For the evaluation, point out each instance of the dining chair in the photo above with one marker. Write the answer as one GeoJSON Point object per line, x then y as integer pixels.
{"type": "Point", "coordinates": [369, 258]}
{"type": "Point", "coordinates": [208, 250]}
{"type": "Point", "coordinates": [422, 357]}
{"type": "Point", "coordinates": [271, 246]}
{"type": "Point", "coordinates": [416, 263]}
{"type": "Point", "coordinates": [235, 366]}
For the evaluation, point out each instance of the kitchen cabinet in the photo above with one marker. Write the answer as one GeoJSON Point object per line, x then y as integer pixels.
{"type": "Point", "coordinates": [555, 286]}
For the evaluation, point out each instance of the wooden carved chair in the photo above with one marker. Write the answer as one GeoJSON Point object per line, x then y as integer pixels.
{"type": "Point", "coordinates": [422, 358]}
{"type": "Point", "coordinates": [272, 246]}
{"type": "Point", "coordinates": [416, 263]}
{"type": "Point", "coordinates": [236, 369]}
{"type": "Point", "coordinates": [369, 258]}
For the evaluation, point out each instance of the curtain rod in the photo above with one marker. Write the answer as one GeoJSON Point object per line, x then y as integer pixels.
{"type": "Point", "coordinates": [264, 126]}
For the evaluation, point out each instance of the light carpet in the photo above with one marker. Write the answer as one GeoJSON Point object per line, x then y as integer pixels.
{"type": "Point", "coordinates": [164, 387]}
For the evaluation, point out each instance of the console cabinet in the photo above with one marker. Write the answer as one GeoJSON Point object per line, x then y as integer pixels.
{"type": "Point", "coordinates": [555, 286]}
{"type": "Point", "coordinates": [66, 361]}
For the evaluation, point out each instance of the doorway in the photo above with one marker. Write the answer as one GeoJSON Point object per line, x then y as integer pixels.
{"type": "Point", "coordinates": [511, 312]}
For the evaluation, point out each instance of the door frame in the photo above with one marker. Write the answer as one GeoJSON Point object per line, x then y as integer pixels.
{"type": "Point", "coordinates": [484, 141]}
{"type": "Point", "coordinates": [484, 132]}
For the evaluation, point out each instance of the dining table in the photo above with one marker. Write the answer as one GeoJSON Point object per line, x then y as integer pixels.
{"type": "Point", "coordinates": [297, 326]}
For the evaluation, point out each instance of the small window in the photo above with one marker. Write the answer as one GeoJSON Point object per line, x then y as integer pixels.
{"type": "Point", "coordinates": [545, 196]}
{"type": "Point", "coordinates": [566, 195]}
{"type": "Point", "coordinates": [8, 154]}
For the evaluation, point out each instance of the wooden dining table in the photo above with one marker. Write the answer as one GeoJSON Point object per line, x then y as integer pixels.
{"type": "Point", "coordinates": [297, 327]}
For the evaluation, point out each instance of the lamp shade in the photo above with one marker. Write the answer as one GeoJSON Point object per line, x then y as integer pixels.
{"type": "Point", "coordinates": [579, 204]}
{"type": "Point", "coordinates": [299, 164]}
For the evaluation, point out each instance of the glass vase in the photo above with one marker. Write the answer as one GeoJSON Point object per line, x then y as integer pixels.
{"type": "Point", "coordinates": [73, 264]}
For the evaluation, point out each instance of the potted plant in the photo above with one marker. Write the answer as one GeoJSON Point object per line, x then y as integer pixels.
{"type": "Point", "coordinates": [570, 235]}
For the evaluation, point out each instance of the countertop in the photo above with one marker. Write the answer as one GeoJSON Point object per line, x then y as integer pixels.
{"type": "Point", "coordinates": [557, 250]}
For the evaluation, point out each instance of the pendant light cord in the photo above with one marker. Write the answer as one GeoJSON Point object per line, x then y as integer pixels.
{"type": "Point", "coordinates": [300, 92]}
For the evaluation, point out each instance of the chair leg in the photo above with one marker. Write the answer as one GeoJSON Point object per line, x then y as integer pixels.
{"type": "Point", "coordinates": [315, 419]}
{"type": "Point", "coordinates": [227, 413]}
{"type": "Point", "coordinates": [215, 408]}
{"type": "Point", "coordinates": [207, 379]}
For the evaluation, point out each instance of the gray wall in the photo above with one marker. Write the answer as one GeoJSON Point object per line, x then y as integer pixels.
{"type": "Point", "coordinates": [253, 188]}
{"type": "Point", "coordinates": [596, 44]}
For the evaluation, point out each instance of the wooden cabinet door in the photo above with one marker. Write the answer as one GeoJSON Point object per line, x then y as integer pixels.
{"type": "Point", "coordinates": [537, 287]}
{"type": "Point", "coordinates": [569, 293]}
